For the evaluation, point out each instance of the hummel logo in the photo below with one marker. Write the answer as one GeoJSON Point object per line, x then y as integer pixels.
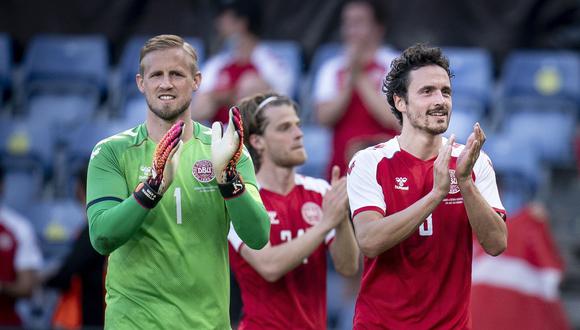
{"type": "Point", "coordinates": [401, 183]}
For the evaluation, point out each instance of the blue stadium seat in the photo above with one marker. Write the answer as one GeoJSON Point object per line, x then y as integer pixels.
{"type": "Point", "coordinates": [5, 65]}
{"type": "Point", "coordinates": [518, 169]}
{"type": "Point", "coordinates": [291, 53]}
{"type": "Point", "coordinates": [21, 187]}
{"type": "Point", "coordinates": [78, 64]}
{"type": "Point", "coordinates": [552, 133]}
{"type": "Point", "coordinates": [461, 124]}
{"type": "Point", "coordinates": [78, 144]}
{"type": "Point", "coordinates": [56, 223]}
{"type": "Point", "coordinates": [128, 66]}
{"type": "Point", "coordinates": [317, 141]}
{"type": "Point", "coordinates": [27, 144]}
{"type": "Point", "coordinates": [61, 111]}
{"type": "Point", "coordinates": [473, 81]}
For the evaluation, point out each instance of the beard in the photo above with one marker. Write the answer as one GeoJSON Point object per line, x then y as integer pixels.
{"type": "Point", "coordinates": [166, 113]}
{"type": "Point", "coordinates": [423, 123]}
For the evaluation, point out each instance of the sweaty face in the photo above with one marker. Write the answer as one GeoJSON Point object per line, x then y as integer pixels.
{"type": "Point", "coordinates": [282, 140]}
{"type": "Point", "coordinates": [358, 25]}
{"type": "Point", "coordinates": [168, 82]}
{"type": "Point", "coordinates": [428, 106]}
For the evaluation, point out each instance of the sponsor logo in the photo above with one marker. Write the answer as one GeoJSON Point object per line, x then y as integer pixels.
{"type": "Point", "coordinates": [311, 213]}
{"type": "Point", "coordinates": [454, 187]}
{"type": "Point", "coordinates": [203, 171]}
{"type": "Point", "coordinates": [401, 180]}
{"type": "Point", "coordinates": [145, 171]}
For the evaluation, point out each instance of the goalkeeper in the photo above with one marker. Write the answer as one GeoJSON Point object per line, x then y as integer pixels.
{"type": "Point", "coordinates": [160, 198]}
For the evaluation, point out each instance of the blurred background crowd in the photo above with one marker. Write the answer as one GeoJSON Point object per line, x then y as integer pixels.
{"type": "Point", "coordinates": [67, 80]}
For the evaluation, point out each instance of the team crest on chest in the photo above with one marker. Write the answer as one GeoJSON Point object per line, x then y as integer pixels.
{"type": "Point", "coordinates": [203, 171]}
{"type": "Point", "coordinates": [454, 187]}
{"type": "Point", "coordinates": [311, 213]}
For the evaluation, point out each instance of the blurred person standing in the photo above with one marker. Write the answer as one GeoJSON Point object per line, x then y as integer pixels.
{"type": "Point", "coordinates": [160, 200]}
{"type": "Point", "coordinates": [245, 67]}
{"type": "Point", "coordinates": [347, 90]}
{"type": "Point", "coordinates": [20, 261]}
{"type": "Point", "coordinates": [417, 200]}
{"type": "Point", "coordinates": [283, 285]}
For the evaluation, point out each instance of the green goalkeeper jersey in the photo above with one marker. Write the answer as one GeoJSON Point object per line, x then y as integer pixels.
{"type": "Point", "coordinates": [172, 272]}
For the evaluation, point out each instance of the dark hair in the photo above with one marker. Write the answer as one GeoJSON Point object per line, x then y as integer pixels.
{"type": "Point", "coordinates": [253, 109]}
{"type": "Point", "coordinates": [249, 10]}
{"type": "Point", "coordinates": [168, 41]}
{"type": "Point", "coordinates": [376, 6]}
{"type": "Point", "coordinates": [397, 80]}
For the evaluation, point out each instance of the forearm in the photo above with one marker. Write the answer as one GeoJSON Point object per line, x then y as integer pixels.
{"type": "Point", "coordinates": [344, 250]}
{"type": "Point", "coordinates": [378, 235]}
{"type": "Point", "coordinates": [250, 219]}
{"type": "Point", "coordinates": [376, 103]}
{"type": "Point", "coordinates": [273, 262]}
{"type": "Point", "coordinates": [330, 112]}
{"type": "Point", "coordinates": [112, 224]}
{"type": "Point", "coordinates": [22, 287]}
{"type": "Point", "coordinates": [488, 226]}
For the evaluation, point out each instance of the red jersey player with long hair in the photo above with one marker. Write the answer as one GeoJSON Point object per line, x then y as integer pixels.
{"type": "Point", "coordinates": [416, 200]}
{"type": "Point", "coordinates": [283, 285]}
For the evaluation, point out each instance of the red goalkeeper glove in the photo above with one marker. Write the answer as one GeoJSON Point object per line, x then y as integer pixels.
{"type": "Point", "coordinates": [165, 162]}
{"type": "Point", "coordinates": [226, 151]}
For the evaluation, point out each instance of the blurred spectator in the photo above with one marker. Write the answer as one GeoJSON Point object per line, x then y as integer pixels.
{"type": "Point", "coordinates": [80, 278]}
{"type": "Point", "coordinates": [347, 90]}
{"type": "Point", "coordinates": [244, 68]}
{"type": "Point", "coordinates": [519, 289]}
{"type": "Point", "coordinates": [20, 261]}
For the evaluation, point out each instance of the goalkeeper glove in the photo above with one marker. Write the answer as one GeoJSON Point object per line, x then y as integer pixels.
{"type": "Point", "coordinates": [226, 150]}
{"type": "Point", "coordinates": [165, 161]}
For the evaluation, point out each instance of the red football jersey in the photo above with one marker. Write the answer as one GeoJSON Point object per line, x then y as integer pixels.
{"type": "Point", "coordinates": [298, 299]}
{"type": "Point", "coordinates": [423, 282]}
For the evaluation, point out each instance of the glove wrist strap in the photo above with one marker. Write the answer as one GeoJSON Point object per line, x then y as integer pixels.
{"type": "Point", "coordinates": [232, 188]}
{"type": "Point", "coordinates": [146, 195]}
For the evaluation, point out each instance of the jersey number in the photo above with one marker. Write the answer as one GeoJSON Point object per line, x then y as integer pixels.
{"type": "Point", "coordinates": [426, 228]}
{"type": "Point", "coordinates": [177, 195]}
{"type": "Point", "coordinates": [286, 236]}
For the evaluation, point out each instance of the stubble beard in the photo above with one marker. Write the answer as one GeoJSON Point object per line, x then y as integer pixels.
{"type": "Point", "coordinates": [168, 114]}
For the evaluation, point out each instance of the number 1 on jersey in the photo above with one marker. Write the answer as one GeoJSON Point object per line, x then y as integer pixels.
{"type": "Point", "coordinates": [426, 228]}
{"type": "Point", "coordinates": [177, 194]}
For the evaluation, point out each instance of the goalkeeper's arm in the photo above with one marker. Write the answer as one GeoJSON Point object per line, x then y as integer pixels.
{"type": "Point", "coordinates": [112, 220]}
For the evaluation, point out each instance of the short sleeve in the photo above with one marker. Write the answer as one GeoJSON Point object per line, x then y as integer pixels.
{"type": "Point", "coordinates": [364, 192]}
{"type": "Point", "coordinates": [485, 182]}
{"type": "Point", "coordinates": [326, 85]}
{"type": "Point", "coordinates": [274, 70]}
{"type": "Point", "coordinates": [211, 71]}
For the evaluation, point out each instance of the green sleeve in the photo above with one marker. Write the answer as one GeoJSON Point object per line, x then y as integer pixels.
{"type": "Point", "coordinates": [247, 212]}
{"type": "Point", "coordinates": [249, 217]}
{"type": "Point", "coordinates": [113, 213]}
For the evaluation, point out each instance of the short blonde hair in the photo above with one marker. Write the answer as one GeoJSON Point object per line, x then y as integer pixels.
{"type": "Point", "coordinates": [167, 41]}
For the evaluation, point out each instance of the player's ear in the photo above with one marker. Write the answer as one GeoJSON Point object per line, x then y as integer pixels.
{"type": "Point", "coordinates": [196, 80]}
{"type": "Point", "coordinates": [257, 142]}
{"type": "Point", "coordinates": [139, 81]}
{"type": "Point", "coordinates": [400, 103]}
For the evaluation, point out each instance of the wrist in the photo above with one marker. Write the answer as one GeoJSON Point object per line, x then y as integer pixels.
{"type": "Point", "coordinates": [232, 188]}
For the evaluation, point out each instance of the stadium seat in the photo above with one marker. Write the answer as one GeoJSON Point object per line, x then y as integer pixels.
{"type": "Point", "coordinates": [461, 124]}
{"type": "Point", "coordinates": [75, 64]}
{"type": "Point", "coordinates": [27, 144]}
{"type": "Point", "coordinates": [317, 141]}
{"type": "Point", "coordinates": [550, 132]}
{"type": "Point", "coordinates": [5, 66]}
{"type": "Point", "coordinates": [518, 169]}
{"type": "Point", "coordinates": [61, 111]}
{"type": "Point", "coordinates": [78, 144]}
{"type": "Point", "coordinates": [56, 223]}
{"type": "Point", "coordinates": [21, 187]}
{"type": "Point", "coordinates": [473, 80]}
{"type": "Point", "coordinates": [128, 67]}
